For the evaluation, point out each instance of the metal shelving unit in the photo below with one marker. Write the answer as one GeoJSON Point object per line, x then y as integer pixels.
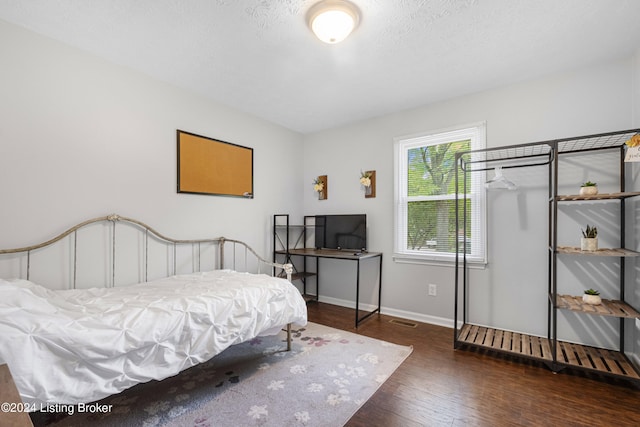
{"type": "Point", "coordinates": [287, 237]}
{"type": "Point", "coordinates": [557, 354]}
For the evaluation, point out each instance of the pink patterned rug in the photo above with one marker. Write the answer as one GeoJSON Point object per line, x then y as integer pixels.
{"type": "Point", "coordinates": [323, 381]}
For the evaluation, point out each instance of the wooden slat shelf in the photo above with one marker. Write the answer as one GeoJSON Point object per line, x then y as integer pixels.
{"type": "Point", "coordinates": [302, 275]}
{"type": "Point", "coordinates": [603, 196]}
{"type": "Point", "coordinates": [510, 342]}
{"type": "Point", "coordinates": [617, 252]}
{"type": "Point", "coordinates": [297, 275]}
{"type": "Point", "coordinates": [568, 354]}
{"type": "Point", "coordinates": [309, 297]}
{"type": "Point", "coordinates": [612, 308]}
{"type": "Point", "coordinates": [596, 359]}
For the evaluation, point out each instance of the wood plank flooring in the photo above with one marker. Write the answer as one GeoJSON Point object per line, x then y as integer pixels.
{"type": "Point", "coordinates": [440, 386]}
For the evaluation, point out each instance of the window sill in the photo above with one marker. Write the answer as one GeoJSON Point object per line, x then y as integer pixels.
{"type": "Point", "coordinates": [439, 262]}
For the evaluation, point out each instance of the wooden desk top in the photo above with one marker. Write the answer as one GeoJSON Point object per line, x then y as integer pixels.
{"type": "Point", "coordinates": [334, 253]}
{"type": "Point", "coordinates": [11, 414]}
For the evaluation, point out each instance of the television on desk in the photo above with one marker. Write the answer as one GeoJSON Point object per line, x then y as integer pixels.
{"type": "Point", "coordinates": [341, 232]}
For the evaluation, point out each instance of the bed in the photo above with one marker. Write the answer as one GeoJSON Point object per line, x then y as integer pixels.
{"type": "Point", "coordinates": [80, 343]}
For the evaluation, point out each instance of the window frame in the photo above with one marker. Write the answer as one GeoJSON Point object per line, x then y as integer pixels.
{"type": "Point", "coordinates": [476, 132]}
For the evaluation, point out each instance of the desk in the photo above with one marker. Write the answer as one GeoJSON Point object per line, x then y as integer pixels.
{"type": "Point", "coordinates": [349, 256]}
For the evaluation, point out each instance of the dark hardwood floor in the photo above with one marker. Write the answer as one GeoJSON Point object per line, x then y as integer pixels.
{"type": "Point", "coordinates": [440, 386]}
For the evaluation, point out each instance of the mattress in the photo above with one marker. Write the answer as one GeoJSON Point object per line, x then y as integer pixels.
{"type": "Point", "coordinates": [78, 346]}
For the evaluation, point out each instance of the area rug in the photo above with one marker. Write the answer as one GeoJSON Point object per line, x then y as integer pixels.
{"type": "Point", "coordinates": [323, 381]}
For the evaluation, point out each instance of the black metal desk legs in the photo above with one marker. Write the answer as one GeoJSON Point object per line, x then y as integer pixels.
{"type": "Point", "coordinates": [377, 310]}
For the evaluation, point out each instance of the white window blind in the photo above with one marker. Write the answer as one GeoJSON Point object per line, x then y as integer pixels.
{"type": "Point", "coordinates": [425, 193]}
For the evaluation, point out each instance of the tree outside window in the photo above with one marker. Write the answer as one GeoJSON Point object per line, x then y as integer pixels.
{"type": "Point", "coordinates": [426, 196]}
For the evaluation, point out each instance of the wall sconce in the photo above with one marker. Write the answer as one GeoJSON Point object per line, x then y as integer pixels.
{"type": "Point", "coordinates": [320, 186]}
{"type": "Point", "coordinates": [368, 182]}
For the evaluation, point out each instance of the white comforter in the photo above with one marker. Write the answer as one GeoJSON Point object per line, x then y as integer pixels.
{"type": "Point", "coordinates": [78, 346]}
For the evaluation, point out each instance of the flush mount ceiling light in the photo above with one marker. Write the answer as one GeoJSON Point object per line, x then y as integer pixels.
{"type": "Point", "coordinates": [333, 20]}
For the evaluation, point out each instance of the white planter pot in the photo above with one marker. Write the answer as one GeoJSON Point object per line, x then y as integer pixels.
{"type": "Point", "coordinates": [592, 299]}
{"type": "Point", "coordinates": [589, 243]}
{"type": "Point", "coordinates": [589, 191]}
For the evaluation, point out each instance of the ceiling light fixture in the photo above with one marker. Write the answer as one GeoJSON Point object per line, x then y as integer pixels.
{"type": "Point", "coordinates": [333, 20]}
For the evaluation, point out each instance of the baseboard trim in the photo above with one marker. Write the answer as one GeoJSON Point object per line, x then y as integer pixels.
{"type": "Point", "coordinates": [418, 317]}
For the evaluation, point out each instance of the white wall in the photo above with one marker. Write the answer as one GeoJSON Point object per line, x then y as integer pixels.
{"type": "Point", "coordinates": [633, 237]}
{"type": "Point", "coordinates": [82, 138]}
{"type": "Point", "coordinates": [511, 292]}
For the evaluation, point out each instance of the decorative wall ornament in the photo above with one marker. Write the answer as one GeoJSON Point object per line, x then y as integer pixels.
{"type": "Point", "coordinates": [320, 187]}
{"type": "Point", "coordinates": [368, 182]}
{"type": "Point", "coordinates": [633, 149]}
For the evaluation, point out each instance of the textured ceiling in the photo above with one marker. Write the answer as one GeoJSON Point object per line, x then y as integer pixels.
{"type": "Point", "coordinates": [259, 56]}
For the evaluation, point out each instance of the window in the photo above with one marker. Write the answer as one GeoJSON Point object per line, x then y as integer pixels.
{"type": "Point", "coordinates": [425, 187]}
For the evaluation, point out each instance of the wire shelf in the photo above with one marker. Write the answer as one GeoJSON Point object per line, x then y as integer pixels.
{"type": "Point", "coordinates": [539, 153]}
{"type": "Point", "coordinates": [507, 157]}
{"type": "Point", "coordinates": [595, 142]}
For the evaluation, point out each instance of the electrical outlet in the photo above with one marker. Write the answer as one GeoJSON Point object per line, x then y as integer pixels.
{"type": "Point", "coordinates": [433, 290]}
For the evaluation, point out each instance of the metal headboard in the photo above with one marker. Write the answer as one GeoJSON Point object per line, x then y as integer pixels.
{"type": "Point", "coordinates": [149, 232]}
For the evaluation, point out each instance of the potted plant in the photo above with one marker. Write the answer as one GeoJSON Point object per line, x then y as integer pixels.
{"type": "Point", "coordinates": [589, 240]}
{"type": "Point", "coordinates": [589, 189]}
{"type": "Point", "coordinates": [592, 297]}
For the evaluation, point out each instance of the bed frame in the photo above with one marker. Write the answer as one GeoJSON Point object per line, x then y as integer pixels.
{"type": "Point", "coordinates": [223, 253]}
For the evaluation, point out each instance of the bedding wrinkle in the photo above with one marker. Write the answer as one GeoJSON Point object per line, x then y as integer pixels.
{"type": "Point", "coordinates": [81, 345]}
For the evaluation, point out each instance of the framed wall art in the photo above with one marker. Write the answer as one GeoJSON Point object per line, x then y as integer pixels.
{"type": "Point", "coordinates": [211, 166]}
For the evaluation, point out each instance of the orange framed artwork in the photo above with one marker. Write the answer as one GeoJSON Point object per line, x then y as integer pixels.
{"type": "Point", "coordinates": [213, 167]}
